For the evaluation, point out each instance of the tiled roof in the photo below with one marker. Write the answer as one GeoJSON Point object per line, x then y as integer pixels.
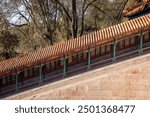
{"type": "Point", "coordinates": [135, 9]}
{"type": "Point", "coordinates": [146, 1]}
{"type": "Point", "coordinates": [96, 38]}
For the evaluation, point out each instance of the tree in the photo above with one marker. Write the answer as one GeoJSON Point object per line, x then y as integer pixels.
{"type": "Point", "coordinates": [84, 9]}
{"type": "Point", "coordinates": [121, 11]}
{"type": "Point", "coordinates": [39, 23]}
{"type": "Point", "coordinates": [8, 42]}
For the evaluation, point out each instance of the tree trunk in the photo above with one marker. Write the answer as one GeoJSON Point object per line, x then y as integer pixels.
{"type": "Point", "coordinates": [50, 36]}
{"type": "Point", "coordinates": [74, 19]}
{"type": "Point", "coordinates": [82, 19]}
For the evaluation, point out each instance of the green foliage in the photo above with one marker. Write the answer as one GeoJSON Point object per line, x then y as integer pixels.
{"type": "Point", "coordinates": [8, 42]}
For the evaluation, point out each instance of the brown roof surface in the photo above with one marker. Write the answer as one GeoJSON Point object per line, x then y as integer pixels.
{"type": "Point", "coordinates": [146, 1]}
{"type": "Point", "coordinates": [96, 38]}
{"type": "Point", "coordinates": [135, 9]}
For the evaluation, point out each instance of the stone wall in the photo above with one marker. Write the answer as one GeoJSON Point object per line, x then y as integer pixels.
{"type": "Point", "coordinates": [129, 79]}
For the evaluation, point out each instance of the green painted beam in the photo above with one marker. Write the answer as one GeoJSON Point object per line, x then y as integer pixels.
{"type": "Point", "coordinates": [141, 42]}
{"type": "Point", "coordinates": [40, 74]}
{"type": "Point", "coordinates": [0, 84]}
{"type": "Point", "coordinates": [89, 58]}
{"type": "Point", "coordinates": [65, 66]}
{"type": "Point", "coordinates": [17, 82]}
{"type": "Point", "coordinates": [114, 50]}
